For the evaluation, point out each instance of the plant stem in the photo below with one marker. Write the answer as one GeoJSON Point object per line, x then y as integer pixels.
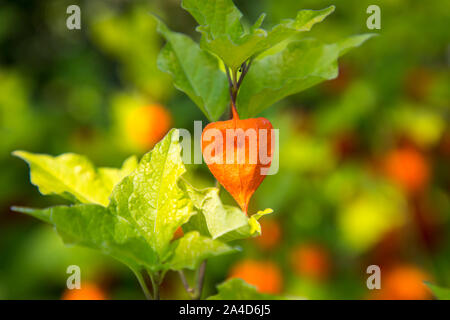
{"type": "Point", "coordinates": [156, 292]}
{"type": "Point", "coordinates": [156, 281]}
{"type": "Point", "coordinates": [233, 82]}
{"type": "Point", "coordinates": [245, 66]}
{"type": "Point", "coordinates": [200, 280]}
{"type": "Point", "coordinates": [194, 293]}
{"type": "Point", "coordinates": [230, 83]}
{"type": "Point", "coordinates": [143, 284]}
{"type": "Point", "coordinates": [186, 286]}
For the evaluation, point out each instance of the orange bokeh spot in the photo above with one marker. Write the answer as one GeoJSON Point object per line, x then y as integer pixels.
{"type": "Point", "coordinates": [147, 125]}
{"type": "Point", "coordinates": [88, 291]}
{"type": "Point", "coordinates": [264, 275]}
{"type": "Point", "coordinates": [403, 282]}
{"type": "Point", "coordinates": [311, 261]}
{"type": "Point", "coordinates": [271, 235]}
{"type": "Point", "coordinates": [408, 168]}
{"type": "Point", "coordinates": [178, 233]}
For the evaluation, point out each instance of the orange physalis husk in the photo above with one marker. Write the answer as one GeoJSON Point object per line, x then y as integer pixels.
{"type": "Point", "coordinates": [241, 176]}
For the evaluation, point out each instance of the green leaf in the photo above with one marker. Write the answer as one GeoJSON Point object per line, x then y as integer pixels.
{"type": "Point", "coordinates": [150, 198]}
{"type": "Point", "coordinates": [138, 225]}
{"type": "Point", "coordinates": [220, 17]}
{"type": "Point", "coordinates": [258, 40]}
{"type": "Point", "coordinates": [112, 176]}
{"type": "Point", "coordinates": [219, 221]}
{"type": "Point", "coordinates": [439, 292]}
{"type": "Point", "coordinates": [233, 54]}
{"type": "Point", "coordinates": [223, 34]}
{"type": "Point", "coordinates": [96, 227]}
{"type": "Point", "coordinates": [304, 21]}
{"type": "Point", "coordinates": [74, 177]}
{"type": "Point", "coordinates": [100, 228]}
{"type": "Point", "coordinates": [192, 249]}
{"type": "Point", "coordinates": [238, 289]}
{"type": "Point", "coordinates": [195, 72]}
{"type": "Point", "coordinates": [352, 42]}
{"type": "Point", "coordinates": [299, 66]}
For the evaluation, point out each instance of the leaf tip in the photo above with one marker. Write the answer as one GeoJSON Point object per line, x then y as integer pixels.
{"type": "Point", "coordinates": [327, 11]}
{"type": "Point", "coordinates": [261, 213]}
{"type": "Point", "coordinates": [19, 154]}
{"type": "Point", "coordinates": [161, 27]}
{"type": "Point", "coordinates": [175, 135]}
{"type": "Point", "coordinates": [21, 209]}
{"type": "Point", "coordinates": [331, 8]}
{"type": "Point", "coordinates": [353, 42]}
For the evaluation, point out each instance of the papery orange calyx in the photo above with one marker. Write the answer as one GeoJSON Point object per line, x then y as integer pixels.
{"type": "Point", "coordinates": [238, 153]}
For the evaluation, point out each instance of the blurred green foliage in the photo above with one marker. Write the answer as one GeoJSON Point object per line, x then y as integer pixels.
{"type": "Point", "coordinates": [68, 91]}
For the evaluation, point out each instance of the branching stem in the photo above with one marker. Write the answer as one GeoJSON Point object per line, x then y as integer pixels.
{"type": "Point", "coordinates": [143, 284]}
{"type": "Point", "coordinates": [156, 282]}
{"type": "Point", "coordinates": [194, 293]}
{"type": "Point", "coordinates": [234, 82]}
{"type": "Point", "coordinates": [244, 69]}
{"type": "Point", "coordinates": [200, 280]}
{"type": "Point", "coordinates": [186, 286]}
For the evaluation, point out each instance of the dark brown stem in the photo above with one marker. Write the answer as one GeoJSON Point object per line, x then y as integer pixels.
{"type": "Point", "coordinates": [234, 83]}
{"type": "Point", "coordinates": [245, 66]}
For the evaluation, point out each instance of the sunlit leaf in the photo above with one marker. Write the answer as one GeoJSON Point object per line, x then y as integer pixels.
{"type": "Point", "coordinates": [192, 249]}
{"type": "Point", "coordinates": [219, 221]}
{"type": "Point", "coordinates": [138, 225]}
{"type": "Point", "coordinates": [150, 198]}
{"type": "Point", "coordinates": [74, 176]}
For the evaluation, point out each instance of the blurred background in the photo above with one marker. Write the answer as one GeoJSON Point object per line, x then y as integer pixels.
{"type": "Point", "coordinates": [364, 159]}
